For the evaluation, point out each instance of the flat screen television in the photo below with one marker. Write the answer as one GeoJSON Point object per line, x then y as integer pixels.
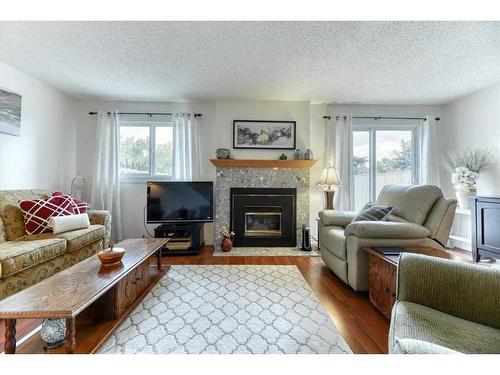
{"type": "Point", "coordinates": [180, 201]}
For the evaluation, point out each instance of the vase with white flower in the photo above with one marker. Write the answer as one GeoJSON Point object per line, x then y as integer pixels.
{"type": "Point", "coordinates": [466, 169]}
{"type": "Point", "coordinates": [227, 239]}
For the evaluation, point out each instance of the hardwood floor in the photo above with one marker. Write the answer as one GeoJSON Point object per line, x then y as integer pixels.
{"type": "Point", "coordinates": [364, 328]}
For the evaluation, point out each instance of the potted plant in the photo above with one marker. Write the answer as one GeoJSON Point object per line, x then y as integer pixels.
{"type": "Point", "coordinates": [465, 170]}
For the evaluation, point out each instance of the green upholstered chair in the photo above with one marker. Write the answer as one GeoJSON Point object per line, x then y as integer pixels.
{"type": "Point", "coordinates": [445, 306]}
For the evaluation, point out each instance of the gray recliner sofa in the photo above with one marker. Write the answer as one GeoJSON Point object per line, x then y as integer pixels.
{"type": "Point", "coordinates": [421, 217]}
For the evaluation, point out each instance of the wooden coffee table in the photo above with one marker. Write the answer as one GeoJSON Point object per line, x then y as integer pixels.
{"type": "Point", "coordinates": [93, 300]}
{"type": "Point", "coordinates": [383, 271]}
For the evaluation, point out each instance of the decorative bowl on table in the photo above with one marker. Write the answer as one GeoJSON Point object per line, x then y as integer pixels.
{"type": "Point", "coordinates": [111, 256]}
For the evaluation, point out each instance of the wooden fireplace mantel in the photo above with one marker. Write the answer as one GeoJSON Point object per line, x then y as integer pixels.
{"type": "Point", "coordinates": [259, 163]}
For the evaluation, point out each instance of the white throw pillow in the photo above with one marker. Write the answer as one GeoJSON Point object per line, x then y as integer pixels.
{"type": "Point", "coordinates": [61, 224]}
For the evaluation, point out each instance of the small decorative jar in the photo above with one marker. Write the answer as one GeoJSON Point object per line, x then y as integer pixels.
{"type": "Point", "coordinates": [283, 157]}
{"type": "Point", "coordinates": [53, 333]}
{"type": "Point", "coordinates": [227, 239]}
{"type": "Point", "coordinates": [222, 153]}
{"type": "Point", "coordinates": [226, 244]}
{"type": "Point", "coordinates": [308, 155]}
{"type": "Point", "coordinates": [297, 155]}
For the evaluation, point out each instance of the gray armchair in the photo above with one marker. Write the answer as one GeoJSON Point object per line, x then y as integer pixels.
{"type": "Point", "coordinates": [421, 217]}
{"type": "Point", "coordinates": [445, 306]}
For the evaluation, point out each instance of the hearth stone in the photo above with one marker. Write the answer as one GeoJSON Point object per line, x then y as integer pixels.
{"type": "Point", "coordinates": [227, 178]}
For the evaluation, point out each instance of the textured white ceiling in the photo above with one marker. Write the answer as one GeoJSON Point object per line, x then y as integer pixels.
{"type": "Point", "coordinates": [366, 62]}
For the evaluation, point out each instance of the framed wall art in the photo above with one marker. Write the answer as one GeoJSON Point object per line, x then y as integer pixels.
{"type": "Point", "coordinates": [10, 113]}
{"type": "Point", "coordinates": [258, 134]}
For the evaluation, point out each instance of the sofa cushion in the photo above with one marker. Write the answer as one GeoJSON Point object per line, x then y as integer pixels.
{"type": "Point", "coordinates": [12, 198]}
{"type": "Point", "coordinates": [83, 237]}
{"type": "Point", "coordinates": [76, 239]}
{"type": "Point", "coordinates": [16, 256]}
{"type": "Point", "coordinates": [373, 212]}
{"type": "Point", "coordinates": [13, 221]}
{"type": "Point", "coordinates": [79, 206]}
{"type": "Point", "coordinates": [37, 212]}
{"type": "Point", "coordinates": [410, 320]}
{"type": "Point", "coordinates": [411, 202]}
{"type": "Point", "coordinates": [333, 239]}
{"type": "Point", "coordinates": [386, 230]}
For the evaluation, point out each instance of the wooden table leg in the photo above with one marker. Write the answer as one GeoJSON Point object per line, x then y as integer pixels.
{"type": "Point", "coordinates": [70, 336]}
{"type": "Point", "coordinates": [10, 336]}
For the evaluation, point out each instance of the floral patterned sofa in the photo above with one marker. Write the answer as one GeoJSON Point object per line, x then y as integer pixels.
{"type": "Point", "coordinates": [27, 259]}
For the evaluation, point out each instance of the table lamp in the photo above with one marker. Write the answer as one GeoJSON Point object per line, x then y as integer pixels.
{"type": "Point", "coordinates": [329, 177]}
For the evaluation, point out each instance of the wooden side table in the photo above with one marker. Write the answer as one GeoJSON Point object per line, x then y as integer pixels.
{"type": "Point", "coordinates": [383, 272]}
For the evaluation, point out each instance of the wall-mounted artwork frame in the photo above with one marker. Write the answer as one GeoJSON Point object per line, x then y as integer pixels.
{"type": "Point", "coordinates": [10, 112]}
{"type": "Point", "coordinates": [267, 135]}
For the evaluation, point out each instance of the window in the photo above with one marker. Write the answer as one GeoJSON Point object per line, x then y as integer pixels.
{"type": "Point", "coordinates": [145, 147]}
{"type": "Point", "coordinates": [384, 152]}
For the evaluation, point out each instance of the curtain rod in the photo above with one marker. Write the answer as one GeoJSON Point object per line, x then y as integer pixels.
{"type": "Point", "coordinates": [384, 117]}
{"type": "Point", "coordinates": [145, 113]}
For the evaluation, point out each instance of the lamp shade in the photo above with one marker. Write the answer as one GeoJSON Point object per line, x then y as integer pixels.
{"type": "Point", "coordinates": [329, 176]}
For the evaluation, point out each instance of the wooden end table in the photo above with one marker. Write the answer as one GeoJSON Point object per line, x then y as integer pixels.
{"type": "Point", "coordinates": [383, 271]}
{"type": "Point", "coordinates": [93, 300]}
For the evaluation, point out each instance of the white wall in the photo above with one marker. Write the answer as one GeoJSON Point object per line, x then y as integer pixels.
{"type": "Point", "coordinates": [472, 121]}
{"type": "Point", "coordinates": [44, 155]}
{"type": "Point", "coordinates": [215, 129]}
{"type": "Point", "coordinates": [317, 137]}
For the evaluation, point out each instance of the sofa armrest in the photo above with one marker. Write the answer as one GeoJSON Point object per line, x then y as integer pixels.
{"type": "Point", "coordinates": [337, 218]}
{"type": "Point", "coordinates": [101, 217]}
{"type": "Point", "coordinates": [465, 290]}
{"type": "Point", "coordinates": [387, 229]}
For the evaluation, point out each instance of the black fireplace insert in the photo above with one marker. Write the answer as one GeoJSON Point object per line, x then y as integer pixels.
{"type": "Point", "coordinates": [264, 216]}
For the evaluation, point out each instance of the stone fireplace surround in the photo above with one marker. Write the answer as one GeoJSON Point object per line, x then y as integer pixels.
{"type": "Point", "coordinates": [227, 178]}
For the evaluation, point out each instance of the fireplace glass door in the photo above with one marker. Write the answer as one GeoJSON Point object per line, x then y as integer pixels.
{"type": "Point", "coordinates": [262, 224]}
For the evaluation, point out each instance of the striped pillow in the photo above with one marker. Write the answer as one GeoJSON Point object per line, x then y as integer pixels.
{"type": "Point", "coordinates": [373, 212]}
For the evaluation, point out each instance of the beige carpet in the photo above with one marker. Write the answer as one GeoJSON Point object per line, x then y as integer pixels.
{"type": "Point", "coordinates": [229, 310]}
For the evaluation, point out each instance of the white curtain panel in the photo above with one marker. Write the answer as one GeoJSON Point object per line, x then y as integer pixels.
{"type": "Point", "coordinates": [338, 153]}
{"type": "Point", "coordinates": [186, 158]}
{"type": "Point", "coordinates": [429, 165]}
{"type": "Point", "coordinates": [343, 159]}
{"type": "Point", "coordinates": [105, 192]}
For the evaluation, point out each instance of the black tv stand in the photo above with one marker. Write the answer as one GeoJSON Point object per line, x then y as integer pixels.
{"type": "Point", "coordinates": [185, 238]}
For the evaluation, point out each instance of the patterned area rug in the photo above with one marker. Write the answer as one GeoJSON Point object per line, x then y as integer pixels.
{"type": "Point", "coordinates": [265, 251]}
{"type": "Point", "coordinates": [228, 309]}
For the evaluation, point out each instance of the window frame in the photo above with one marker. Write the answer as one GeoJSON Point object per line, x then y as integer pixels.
{"type": "Point", "coordinates": [151, 175]}
{"type": "Point", "coordinates": [372, 126]}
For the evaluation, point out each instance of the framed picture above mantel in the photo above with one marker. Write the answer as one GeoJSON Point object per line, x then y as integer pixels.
{"type": "Point", "coordinates": [259, 134]}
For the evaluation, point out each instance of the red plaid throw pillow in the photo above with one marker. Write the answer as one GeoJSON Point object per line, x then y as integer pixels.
{"type": "Point", "coordinates": [79, 206]}
{"type": "Point", "coordinates": [37, 212]}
